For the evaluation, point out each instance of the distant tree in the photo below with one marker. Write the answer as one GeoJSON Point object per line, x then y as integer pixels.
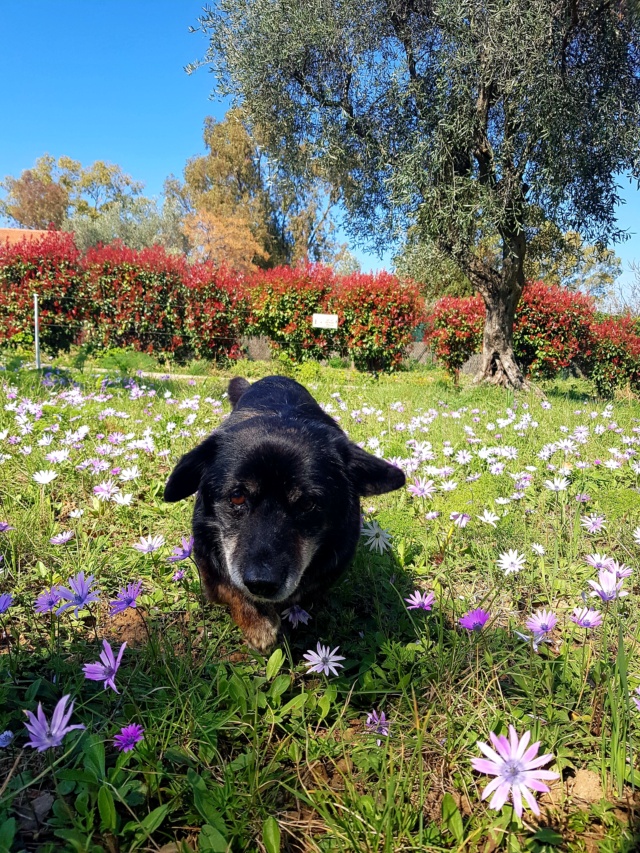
{"type": "Point", "coordinates": [459, 117]}
{"type": "Point", "coordinates": [566, 260]}
{"type": "Point", "coordinates": [237, 190]}
{"type": "Point", "coordinates": [223, 239]}
{"type": "Point", "coordinates": [137, 222]}
{"type": "Point", "coordinates": [33, 202]}
{"type": "Point", "coordinates": [54, 190]}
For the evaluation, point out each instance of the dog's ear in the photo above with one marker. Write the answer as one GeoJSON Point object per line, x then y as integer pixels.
{"type": "Point", "coordinates": [237, 387]}
{"type": "Point", "coordinates": [370, 475]}
{"type": "Point", "coordinates": [185, 477]}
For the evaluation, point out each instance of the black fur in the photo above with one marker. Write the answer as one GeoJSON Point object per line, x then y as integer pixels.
{"type": "Point", "coordinates": [277, 517]}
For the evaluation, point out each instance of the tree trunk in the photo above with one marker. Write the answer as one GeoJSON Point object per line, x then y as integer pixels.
{"type": "Point", "coordinates": [498, 361]}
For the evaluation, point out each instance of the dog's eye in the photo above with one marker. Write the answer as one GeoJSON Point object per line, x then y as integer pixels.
{"type": "Point", "coordinates": [238, 499]}
{"type": "Point", "coordinates": [304, 505]}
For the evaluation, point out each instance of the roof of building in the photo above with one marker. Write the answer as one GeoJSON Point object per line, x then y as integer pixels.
{"type": "Point", "coordinates": [15, 235]}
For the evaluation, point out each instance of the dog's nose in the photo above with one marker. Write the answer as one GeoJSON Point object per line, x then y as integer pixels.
{"type": "Point", "coordinates": [262, 588]}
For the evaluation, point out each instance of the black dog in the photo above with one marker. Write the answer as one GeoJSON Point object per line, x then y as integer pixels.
{"type": "Point", "coordinates": [277, 517]}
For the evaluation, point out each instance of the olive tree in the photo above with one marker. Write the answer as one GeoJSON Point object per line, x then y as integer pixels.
{"type": "Point", "coordinates": [455, 117]}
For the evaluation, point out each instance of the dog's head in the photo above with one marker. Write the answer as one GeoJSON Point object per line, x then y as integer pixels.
{"type": "Point", "coordinates": [271, 494]}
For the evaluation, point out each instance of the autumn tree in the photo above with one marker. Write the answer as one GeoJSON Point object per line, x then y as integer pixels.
{"type": "Point", "coordinates": [55, 190]}
{"type": "Point", "coordinates": [457, 117]}
{"type": "Point", "coordinates": [34, 202]}
{"type": "Point", "coordinates": [241, 206]}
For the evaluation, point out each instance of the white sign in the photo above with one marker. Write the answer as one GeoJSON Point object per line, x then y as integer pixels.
{"type": "Point", "coordinates": [325, 321]}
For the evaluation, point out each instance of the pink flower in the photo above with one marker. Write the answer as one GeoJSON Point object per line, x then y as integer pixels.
{"type": "Point", "coordinates": [516, 770]}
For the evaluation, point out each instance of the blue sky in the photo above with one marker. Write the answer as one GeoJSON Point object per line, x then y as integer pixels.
{"type": "Point", "coordinates": [106, 81]}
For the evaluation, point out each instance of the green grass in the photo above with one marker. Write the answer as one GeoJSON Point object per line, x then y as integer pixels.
{"type": "Point", "coordinates": [241, 753]}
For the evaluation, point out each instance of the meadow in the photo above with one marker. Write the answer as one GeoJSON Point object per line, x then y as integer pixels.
{"type": "Point", "coordinates": [499, 589]}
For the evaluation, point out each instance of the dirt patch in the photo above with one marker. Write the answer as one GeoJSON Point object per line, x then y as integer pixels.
{"type": "Point", "coordinates": [585, 787]}
{"type": "Point", "coordinates": [127, 627]}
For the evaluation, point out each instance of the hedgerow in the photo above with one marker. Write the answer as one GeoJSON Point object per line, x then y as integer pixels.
{"type": "Point", "coordinates": [216, 313]}
{"type": "Point", "coordinates": [377, 317]}
{"type": "Point", "coordinates": [615, 355]}
{"type": "Point", "coordinates": [283, 301]}
{"type": "Point", "coordinates": [552, 329]}
{"type": "Point", "coordinates": [50, 267]}
{"type": "Point", "coordinates": [138, 298]}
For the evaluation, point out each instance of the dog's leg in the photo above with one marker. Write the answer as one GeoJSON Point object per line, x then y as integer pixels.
{"type": "Point", "coordinates": [258, 623]}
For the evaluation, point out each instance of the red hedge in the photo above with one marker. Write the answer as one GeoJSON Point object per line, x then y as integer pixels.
{"type": "Point", "coordinates": [615, 356]}
{"type": "Point", "coordinates": [138, 297]}
{"type": "Point", "coordinates": [454, 329]}
{"type": "Point", "coordinates": [551, 329]}
{"type": "Point", "coordinates": [217, 307]}
{"type": "Point", "coordinates": [283, 301]}
{"type": "Point", "coordinates": [48, 266]}
{"type": "Point", "coordinates": [377, 317]}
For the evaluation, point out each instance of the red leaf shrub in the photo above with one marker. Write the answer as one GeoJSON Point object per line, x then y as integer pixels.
{"type": "Point", "coordinates": [217, 308]}
{"type": "Point", "coordinates": [138, 298]}
{"type": "Point", "coordinates": [377, 317]}
{"type": "Point", "coordinates": [615, 356]}
{"type": "Point", "coordinates": [282, 303]}
{"type": "Point", "coordinates": [50, 267]}
{"type": "Point", "coordinates": [454, 329]}
{"type": "Point", "coordinates": [551, 329]}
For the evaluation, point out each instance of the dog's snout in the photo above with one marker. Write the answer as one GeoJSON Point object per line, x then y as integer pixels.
{"type": "Point", "coordinates": [260, 580]}
{"type": "Point", "coordinates": [262, 589]}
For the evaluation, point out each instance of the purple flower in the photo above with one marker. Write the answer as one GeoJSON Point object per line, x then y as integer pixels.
{"type": "Point", "coordinates": [47, 601]}
{"type": "Point", "coordinates": [128, 737]}
{"type": "Point", "coordinates": [149, 544]}
{"type": "Point", "coordinates": [6, 600]}
{"type": "Point", "coordinates": [127, 597]}
{"type": "Point", "coordinates": [422, 488]}
{"type": "Point", "coordinates": [106, 670]}
{"type": "Point", "coordinates": [106, 491]}
{"type": "Point", "coordinates": [475, 620]}
{"type": "Point", "coordinates": [323, 660]}
{"type": "Point", "coordinates": [420, 600]}
{"type": "Point", "coordinates": [583, 498]}
{"type": "Point", "coordinates": [296, 614]}
{"type": "Point", "coordinates": [593, 523]}
{"type": "Point", "coordinates": [599, 561]}
{"type": "Point", "coordinates": [620, 570]}
{"type": "Point", "coordinates": [585, 617]}
{"type": "Point", "coordinates": [182, 553]}
{"type": "Point", "coordinates": [608, 587]}
{"type": "Point", "coordinates": [377, 722]}
{"type": "Point", "coordinates": [541, 624]}
{"type": "Point", "coordinates": [460, 519]}
{"type": "Point", "coordinates": [177, 576]}
{"type": "Point", "coordinates": [79, 595]}
{"type": "Point", "coordinates": [5, 526]}
{"type": "Point", "coordinates": [516, 770]}
{"type": "Point", "coordinates": [62, 538]}
{"type": "Point", "coordinates": [45, 735]}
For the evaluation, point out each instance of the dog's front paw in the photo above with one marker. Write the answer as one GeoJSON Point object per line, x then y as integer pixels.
{"type": "Point", "coordinates": [261, 632]}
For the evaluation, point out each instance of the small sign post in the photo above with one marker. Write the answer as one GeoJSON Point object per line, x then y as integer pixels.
{"type": "Point", "coordinates": [37, 329]}
{"type": "Point", "coordinates": [324, 321]}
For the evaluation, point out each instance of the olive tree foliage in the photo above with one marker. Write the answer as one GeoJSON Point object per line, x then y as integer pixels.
{"type": "Point", "coordinates": [136, 222]}
{"type": "Point", "coordinates": [456, 117]}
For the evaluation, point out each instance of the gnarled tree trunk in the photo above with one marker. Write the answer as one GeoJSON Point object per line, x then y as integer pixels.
{"type": "Point", "coordinates": [501, 291]}
{"type": "Point", "coordinates": [498, 361]}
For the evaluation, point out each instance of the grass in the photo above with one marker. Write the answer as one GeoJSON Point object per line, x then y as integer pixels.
{"type": "Point", "coordinates": [243, 753]}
